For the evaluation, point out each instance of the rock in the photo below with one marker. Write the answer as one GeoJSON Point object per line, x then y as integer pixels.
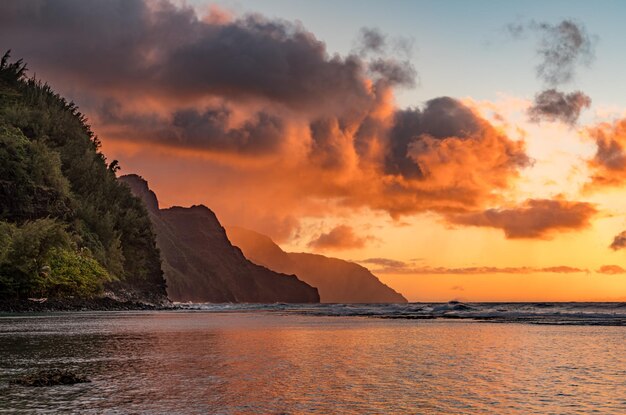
{"type": "Point", "coordinates": [337, 281]}
{"type": "Point", "coordinates": [201, 265]}
{"type": "Point", "coordinates": [50, 378]}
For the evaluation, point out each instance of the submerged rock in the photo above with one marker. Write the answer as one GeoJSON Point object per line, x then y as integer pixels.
{"type": "Point", "coordinates": [50, 378]}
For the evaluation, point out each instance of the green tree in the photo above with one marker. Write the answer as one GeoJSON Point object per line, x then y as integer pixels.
{"type": "Point", "coordinates": [51, 169]}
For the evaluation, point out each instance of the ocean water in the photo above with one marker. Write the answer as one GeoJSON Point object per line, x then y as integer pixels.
{"type": "Point", "coordinates": [603, 314]}
{"type": "Point", "coordinates": [327, 359]}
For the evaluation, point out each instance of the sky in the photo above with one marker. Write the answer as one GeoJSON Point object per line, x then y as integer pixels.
{"type": "Point", "coordinates": [459, 150]}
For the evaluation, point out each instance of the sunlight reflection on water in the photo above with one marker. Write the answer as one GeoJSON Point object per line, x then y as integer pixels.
{"type": "Point", "coordinates": [232, 363]}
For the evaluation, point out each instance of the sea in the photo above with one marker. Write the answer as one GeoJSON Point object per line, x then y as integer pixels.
{"type": "Point", "coordinates": [416, 358]}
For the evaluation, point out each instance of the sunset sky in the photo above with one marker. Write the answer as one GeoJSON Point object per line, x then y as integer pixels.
{"type": "Point", "coordinates": [459, 150]}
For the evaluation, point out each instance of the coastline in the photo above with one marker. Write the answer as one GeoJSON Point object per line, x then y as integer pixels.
{"type": "Point", "coordinates": [79, 304]}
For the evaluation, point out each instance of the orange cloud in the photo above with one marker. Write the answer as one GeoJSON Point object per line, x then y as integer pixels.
{"type": "Point", "coordinates": [535, 218]}
{"type": "Point", "coordinates": [619, 242]}
{"type": "Point", "coordinates": [611, 270]}
{"type": "Point", "coordinates": [339, 238]}
{"type": "Point", "coordinates": [608, 166]}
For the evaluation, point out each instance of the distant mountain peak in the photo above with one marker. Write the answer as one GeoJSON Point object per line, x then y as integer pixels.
{"type": "Point", "coordinates": [139, 186]}
{"type": "Point", "coordinates": [337, 281]}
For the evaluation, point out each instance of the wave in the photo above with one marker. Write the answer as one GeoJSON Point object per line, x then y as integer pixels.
{"type": "Point", "coordinates": [600, 314]}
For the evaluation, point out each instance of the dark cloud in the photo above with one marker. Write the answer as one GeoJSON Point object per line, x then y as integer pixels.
{"type": "Point", "coordinates": [553, 105]}
{"type": "Point", "coordinates": [111, 112]}
{"type": "Point", "coordinates": [371, 40]}
{"type": "Point", "coordinates": [340, 237]}
{"type": "Point", "coordinates": [133, 51]}
{"type": "Point", "coordinates": [440, 118]}
{"type": "Point", "coordinates": [536, 218]}
{"type": "Point", "coordinates": [610, 154]}
{"type": "Point", "coordinates": [330, 141]}
{"type": "Point", "coordinates": [619, 242]}
{"type": "Point", "coordinates": [394, 72]}
{"type": "Point", "coordinates": [159, 48]}
{"type": "Point", "coordinates": [611, 270]}
{"type": "Point", "coordinates": [562, 48]}
{"type": "Point", "coordinates": [447, 117]}
{"type": "Point", "coordinates": [380, 54]}
{"type": "Point", "coordinates": [442, 157]}
{"type": "Point", "coordinates": [208, 129]}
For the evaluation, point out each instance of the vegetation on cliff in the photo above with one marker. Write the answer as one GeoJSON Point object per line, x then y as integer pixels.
{"type": "Point", "coordinates": [67, 226]}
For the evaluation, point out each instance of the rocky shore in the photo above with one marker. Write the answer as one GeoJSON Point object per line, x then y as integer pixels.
{"type": "Point", "coordinates": [78, 304]}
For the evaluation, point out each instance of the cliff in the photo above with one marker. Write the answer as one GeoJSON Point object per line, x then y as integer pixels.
{"type": "Point", "coordinates": [338, 281]}
{"type": "Point", "coordinates": [68, 229]}
{"type": "Point", "coordinates": [201, 265]}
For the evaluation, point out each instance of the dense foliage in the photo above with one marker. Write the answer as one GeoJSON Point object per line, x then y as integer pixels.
{"type": "Point", "coordinates": [67, 226]}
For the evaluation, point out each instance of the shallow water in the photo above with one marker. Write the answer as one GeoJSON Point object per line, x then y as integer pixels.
{"type": "Point", "coordinates": [264, 362]}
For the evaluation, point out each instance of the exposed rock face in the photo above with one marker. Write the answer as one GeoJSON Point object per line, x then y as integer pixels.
{"type": "Point", "coordinates": [338, 281]}
{"type": "Point", "coordinates": [201, 265]}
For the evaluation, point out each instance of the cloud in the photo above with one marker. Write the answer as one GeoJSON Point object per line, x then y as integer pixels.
{"type": "Point", "coordinates": [562, 47]}
{"type": "Point", "coordinates": [611, 270]}
{"type": "Point", "coordinates": [371, 40]}
{"type": "Point", "coordinates": [340, 237]}
{"type": "Point", "coordinates": [380, 53]}
{"type": "Point", "coordinates": [608, 166]}
{"type": "Point", "coordinates": [451, 158]}
{"type": "Point", "coordinates": [392, 266]}
{"type": "Point", "coordinates": [394, 72]}
{"type": "Point", "coordinates": [255, 118]}
{"type": "Point", "coordinates": [209, 128]}
{"type": "Point", "coordinates": [482, 270]}
{"type": "Point", "coordinates": [553, 105]}
{"type": "Point", "coordinates": [385, 262]}
{"type": "Point", "coordinates": [619, 242]}
{"type": "Point", "coordinates": [535, 218]}
{"type": "Point", "coordinates": [516, 30]}
{"type": "Point", "coordinates": [157, 48]}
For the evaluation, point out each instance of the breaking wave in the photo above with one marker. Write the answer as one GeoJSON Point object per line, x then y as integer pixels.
{"type": "Point", "coordinates": [602, 314]}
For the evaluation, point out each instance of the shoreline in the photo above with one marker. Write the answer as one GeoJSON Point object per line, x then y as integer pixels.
{"type": "Point", "coordinates": [92, 304]}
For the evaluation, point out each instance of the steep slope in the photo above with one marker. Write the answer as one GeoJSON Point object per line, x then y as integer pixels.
{"type": "Point", "coordinates": [68, 229]}
{"type": "Point", "coordinates": [200, 263]}
{"type": "Point", "coordinates": [337, 281]}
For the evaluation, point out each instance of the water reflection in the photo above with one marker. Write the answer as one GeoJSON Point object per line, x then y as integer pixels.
{"type": "Point", "coordinates": [232, 363]}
